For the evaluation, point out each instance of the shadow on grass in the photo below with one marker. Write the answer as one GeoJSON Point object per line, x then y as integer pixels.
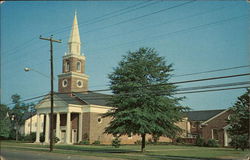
{"type": "Point", "coordinates": [183, 158]}
{"type": "Point", "coordinates": [97, 150]}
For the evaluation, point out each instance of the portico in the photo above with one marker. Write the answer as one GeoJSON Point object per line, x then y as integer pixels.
{"type": "Point", "coordinates": [68, 120]}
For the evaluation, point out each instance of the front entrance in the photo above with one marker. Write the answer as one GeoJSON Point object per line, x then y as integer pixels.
{"type": "Point", "coordinates": [63, 136]}
{"type": "Point", "coordinates": [74, 136]}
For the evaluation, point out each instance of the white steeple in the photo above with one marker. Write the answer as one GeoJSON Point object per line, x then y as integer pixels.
{"type": "Point", "coordinates": [74, 43]}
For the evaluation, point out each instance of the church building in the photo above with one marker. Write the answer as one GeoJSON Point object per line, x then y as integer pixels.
{"type": "Point", "coordinates": [77, 111]}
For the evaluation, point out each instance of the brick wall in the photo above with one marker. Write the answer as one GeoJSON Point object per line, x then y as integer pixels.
{"type": "Point", "coordinates": [73, 65]}
{"type": "Point", "coordinates": [217, 123]}
{"type": "Point", "coordinates": [72, 85]}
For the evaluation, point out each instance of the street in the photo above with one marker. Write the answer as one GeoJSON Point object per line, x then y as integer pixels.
{"type": "Point", "coordinates": [13, 154]}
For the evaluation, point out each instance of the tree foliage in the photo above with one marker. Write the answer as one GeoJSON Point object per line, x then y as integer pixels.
{"type": "Point", "coordinates": [4, 122]}
{"type": "Point", "coordinates": [143, 97]}
{"type": "Point", "coordinates": [18, 113]}
{"type": "Point", "coordinates": [239, 122]}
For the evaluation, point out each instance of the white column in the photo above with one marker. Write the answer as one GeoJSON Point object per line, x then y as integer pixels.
{"type": "Point", "coordinates": [225, 138]}
{"type": "Point", "coordinates": [47, 129]}
{"type": "Point", "coordinates": [68, 128]}
{"type": "Point", "coordinates": [58, 126]}
{"type": "Point", "coordinates": [37, 128]}
{"type": "Point", "coordinates": [80, 128]}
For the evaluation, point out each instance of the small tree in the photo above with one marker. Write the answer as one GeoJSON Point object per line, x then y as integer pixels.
{"type": "Point", "coordinates": [143, 99]}
{"type": "Point", "coordinates": [18, 113]}
{"type": "Point", "coordinates": [4, 122]}
{"type": "Point", "coordinates": [239, 122]}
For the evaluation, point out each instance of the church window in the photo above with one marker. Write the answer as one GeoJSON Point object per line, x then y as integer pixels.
{"type": "Point", "coordinates": [65, 83]}
{"type": "Point", "coordinates": [67, 66]}
{"type": "Point", "coordinates": [78, 66]}
{"type": "Point", "coordinates": [79, 83]}
{"type": "Point", "coordinates": [99, 120]}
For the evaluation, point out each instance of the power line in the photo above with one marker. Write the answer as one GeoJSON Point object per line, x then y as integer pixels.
{"type": "Point", "coordinates": [179, 82]}
{"type": "Point", "coordinates": [212, 90]}
{"type": "Point", "coordinates": [25, 44]}
{"type": "Point", "coordinates": [172, 33]}
{"type": "Point", "coordinates": [155, 92]}
{"type": "Point", "coordinates": [164, 23]}
{"type": "Point", "coordinates": [139, 17]}
{"type": "Point", "coordinates": [210, 71]}
{"type": "Point", "coordinates": [189, 81]}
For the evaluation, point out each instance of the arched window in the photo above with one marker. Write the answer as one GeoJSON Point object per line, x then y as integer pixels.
{"type": "Point", "coordinates": [67, 66]}
{"type": "Point", "coordinates": [78, 66]}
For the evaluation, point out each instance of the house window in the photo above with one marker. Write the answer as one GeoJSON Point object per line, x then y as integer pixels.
{"type": "Point", "coordinates": [215, 134]}
{"type": "Point", "coordinates": [78, 66]}
{"type": "Point", "coordinates": [129, 136]}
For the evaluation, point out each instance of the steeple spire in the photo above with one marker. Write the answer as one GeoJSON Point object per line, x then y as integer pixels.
{"type": "Point", "coordinates": [74, 42]}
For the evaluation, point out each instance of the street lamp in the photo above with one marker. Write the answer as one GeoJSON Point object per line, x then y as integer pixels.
{"type": "Point", "coordinates": [27, 69]}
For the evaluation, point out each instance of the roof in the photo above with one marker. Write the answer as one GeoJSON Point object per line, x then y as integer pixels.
{"type": "Point", "coordinates": [93, 98]}
{"type": "Point", "coordinates": [81, 98]}
{"type": "Point", "coordinates": [203, 115]}
{"type": "Point", "coordinates": [67, 98]}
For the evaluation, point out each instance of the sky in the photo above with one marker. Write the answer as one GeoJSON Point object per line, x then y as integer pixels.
{"type": "Point", "coordinates": [194, 36]}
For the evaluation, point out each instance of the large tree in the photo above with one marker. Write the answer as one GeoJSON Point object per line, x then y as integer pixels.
{"type": "Point", "coordinates": [143, 101]}
{"type": "Point", "coordinates": [18, 113]}
{"type": "Point", "coordinates": [4, 122]}
{"type": "Point", "coordinates": [239, 122]}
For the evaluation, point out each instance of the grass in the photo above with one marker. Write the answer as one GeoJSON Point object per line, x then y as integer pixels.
{"type": "Point", "coordinates": [133, 151]}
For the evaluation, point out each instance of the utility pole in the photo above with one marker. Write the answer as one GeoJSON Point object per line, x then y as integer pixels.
{"type": "Point", "coordinates": [52, 88]}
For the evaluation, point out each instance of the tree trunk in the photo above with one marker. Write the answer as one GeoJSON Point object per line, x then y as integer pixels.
{"type": "Point", "coordinates": [143, 136]}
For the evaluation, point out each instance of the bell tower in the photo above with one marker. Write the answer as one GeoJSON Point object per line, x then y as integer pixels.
{"type": "Point", "coordinates": [73, 77]}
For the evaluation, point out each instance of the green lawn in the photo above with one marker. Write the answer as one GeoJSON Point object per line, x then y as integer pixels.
{"type": "Point", "coordinates": [133, 151]}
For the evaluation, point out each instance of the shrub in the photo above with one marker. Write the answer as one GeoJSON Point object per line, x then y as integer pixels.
{"type": "Point", "coordinates": [84, 142]}
{"type": "Point", "coordinates": [138, 142]}
{"type": "Point", "coordinates": [179, 140]}
{"type": "Point", "coordinates": [85, 139]}
{"type": "Point", "coordinates": [42, 137]}
{"type": "Point", "coordinates": [96, 142]}
{"type": "Point", "coordinates": [116, 142]}
{"type": "Point", "coordinates": [240, 141]}
{"type": "Point", "coordinates": [155, 138]}
{"type": "Point", "coordinates": [29, 138]}
{"type": "Point", "coordinates": [212, 143]}
{"type": "Point", "coordinates": [200, 141]}
{"type": "Point", "coordinates": [56, 139]}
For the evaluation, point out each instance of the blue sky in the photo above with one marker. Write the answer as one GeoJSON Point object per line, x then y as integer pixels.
{"type": "Point", "coordinates": [196, 36]}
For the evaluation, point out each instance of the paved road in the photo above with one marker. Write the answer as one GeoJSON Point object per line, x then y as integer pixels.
{"type": "Point", "coordinates": [13, 154]}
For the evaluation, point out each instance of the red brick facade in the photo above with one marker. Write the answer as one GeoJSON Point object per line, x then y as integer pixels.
{"type": "Point", "coordinates": [213, 129]}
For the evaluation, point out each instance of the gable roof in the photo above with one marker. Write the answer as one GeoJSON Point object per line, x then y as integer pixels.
{"type": "Point", "coordinates": [203, 115]}
{"type": "Point", "coordinates": [93, 98]}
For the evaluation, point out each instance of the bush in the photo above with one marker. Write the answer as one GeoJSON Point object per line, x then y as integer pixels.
{"type": "Point", "coordinates": [85, 139]}
{"type": "Point", "coordinates": [212, 143]}
{"type": "Point", "coordinates": [56, 139]}
{"type": "Point", "coordinates": [240, 141]}
{"type": "Point", "coordinates": [200, 142]}
{"type": "Point", "coordinates": [29, 138]}
{"type": "Point", "coordinates": [42, 137]}
{"type": "Point", "coordinates": [84, 142]}
{"type": "Point", "coordinates": [116, 142]}
{"type": "Point", "coordinates": [179, 140]}
{"type": "Point", "coordinates": [96, 142]}
{"type": "Point", "coordinates": [138, 142]}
